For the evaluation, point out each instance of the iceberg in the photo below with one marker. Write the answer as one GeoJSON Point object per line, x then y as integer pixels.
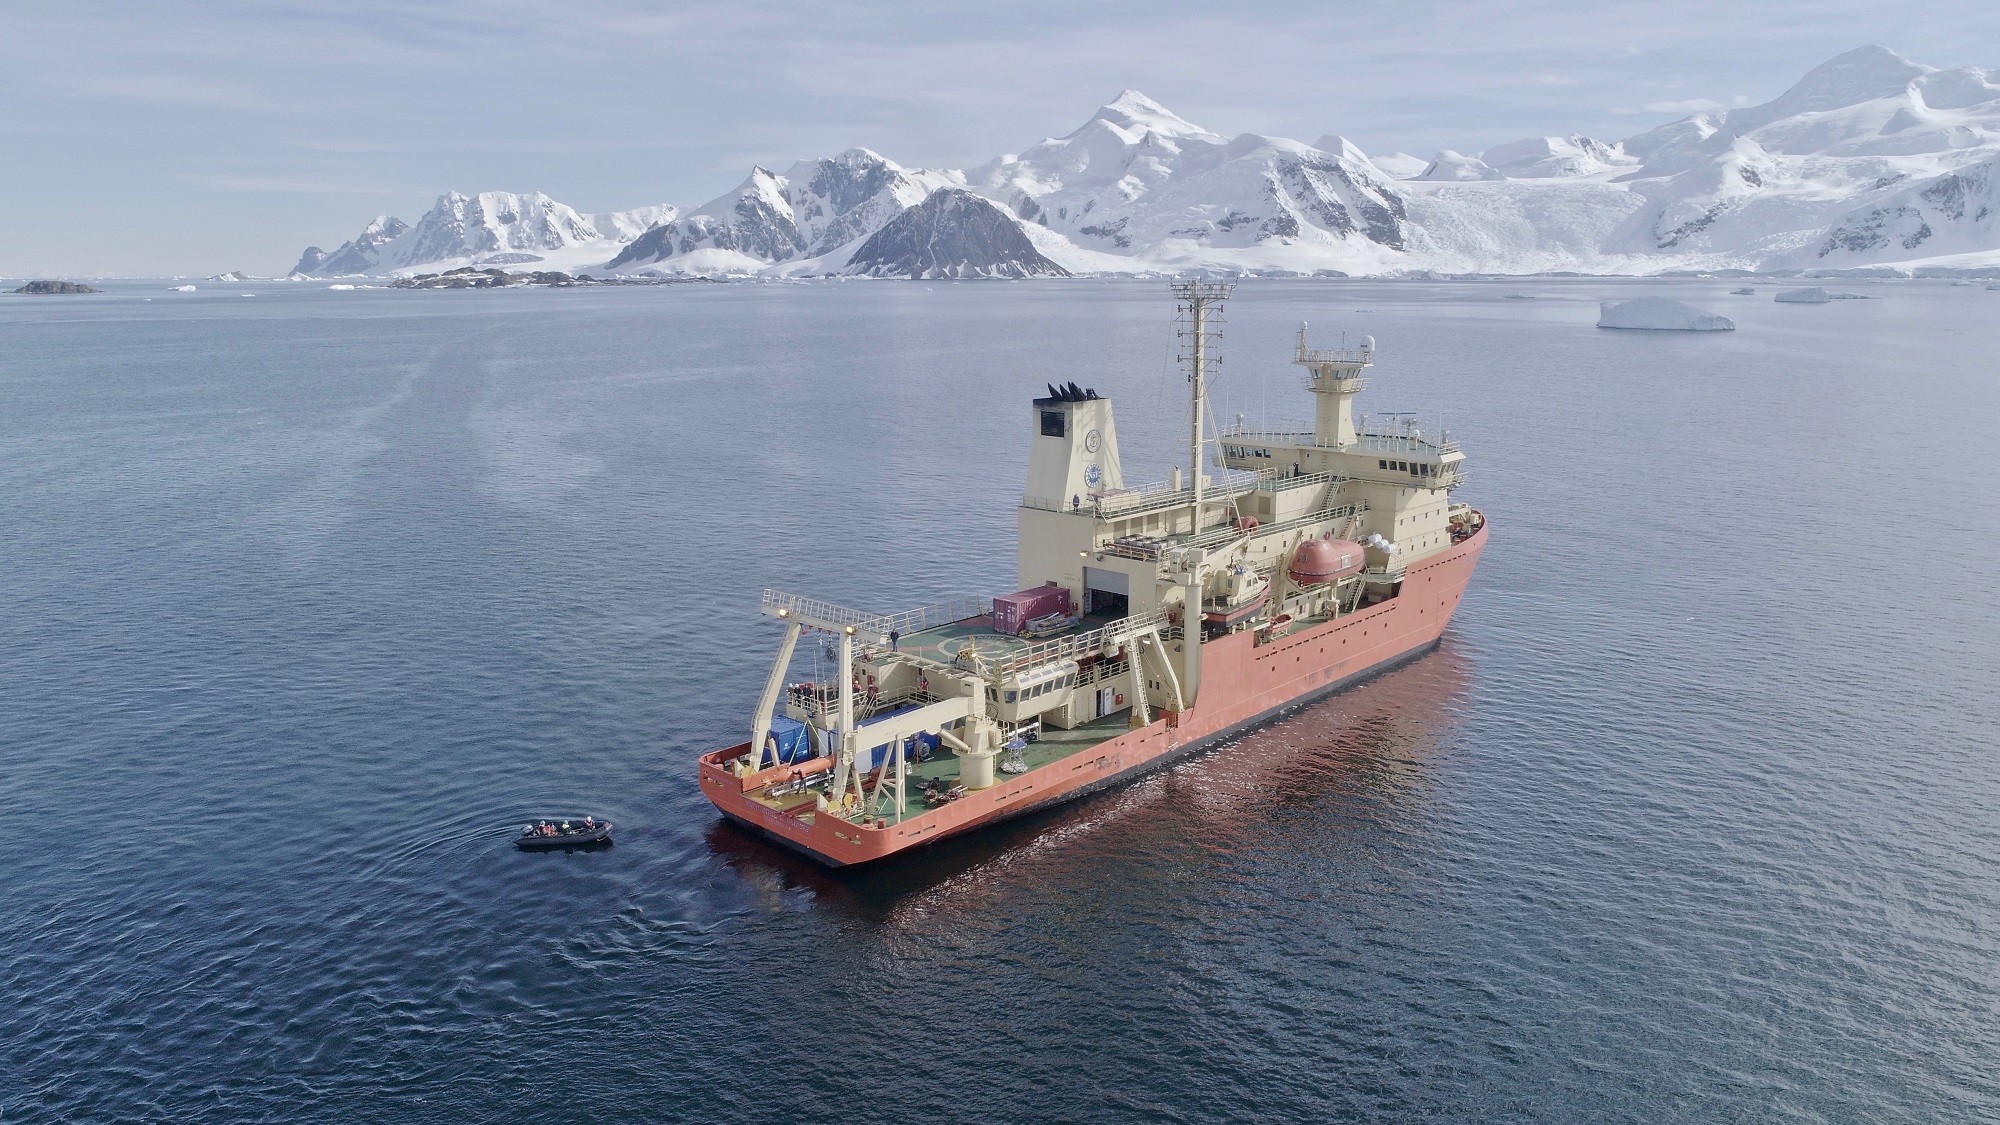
{"type": "Point", "coordinates": [1812, 296]}
{"type": "Point", "coordinates": [1660, 314]}
{"type": "Point", "coordinates": [1742, 292]}
{"type": "Point", "coordinates": [181, 288]}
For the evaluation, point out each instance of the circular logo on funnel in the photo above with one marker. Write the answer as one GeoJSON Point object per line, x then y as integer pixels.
{"type": "Point", "coordinates": [1093, 476]}
{"type": "Point", "coordinates": [1092, 440]}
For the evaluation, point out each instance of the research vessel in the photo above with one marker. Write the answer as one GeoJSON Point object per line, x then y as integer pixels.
{"type": "Point", "coordinates": [1149, 622]}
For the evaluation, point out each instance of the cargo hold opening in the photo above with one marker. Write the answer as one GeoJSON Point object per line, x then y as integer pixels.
{"type": "Point", "coordinates": [1106, 593]}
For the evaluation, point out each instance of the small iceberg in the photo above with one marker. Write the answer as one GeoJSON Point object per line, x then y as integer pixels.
{"type": "Point", "coordinates": [181, 288]}
{"type": "Point", "coordinates": [1812, 296]}
{"type": "Point", "coordinates": [1849, 297]}
{"type": "Point", "coordinates": [1661, 315]}
{"type": "Point", "coordinates": [1743, 292]}
{"type": "Point", "coordinates": [340, 287]}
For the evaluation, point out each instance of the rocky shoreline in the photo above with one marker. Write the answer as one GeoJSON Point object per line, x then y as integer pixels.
{"type": "Point", "coordinates": [468, 277]}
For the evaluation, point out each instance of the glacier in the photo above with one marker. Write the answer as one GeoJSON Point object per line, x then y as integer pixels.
{"type": "Point", "coordinates": [1869, 164]}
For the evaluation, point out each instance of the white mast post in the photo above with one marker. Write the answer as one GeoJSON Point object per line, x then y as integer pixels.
{"type": "Point", "coordinates": [1195, 297]}
{"type": "Point", "coordinates": [843, 768]}
{"type": "Point", "coordinates": [1199, 398]}
{"type": "Point", "coordinates": [760, 723]}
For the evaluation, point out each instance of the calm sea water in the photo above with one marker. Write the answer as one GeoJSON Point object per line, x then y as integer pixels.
{"type": "Point", "coordinates": [311, 598]}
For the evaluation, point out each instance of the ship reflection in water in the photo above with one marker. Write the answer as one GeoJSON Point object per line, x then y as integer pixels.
{"type": "Point", "coordinates": [1323, 796]}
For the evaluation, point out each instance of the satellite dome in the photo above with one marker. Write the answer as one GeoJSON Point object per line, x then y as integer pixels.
{"type": "Point", "coordinates": [1367, 343]}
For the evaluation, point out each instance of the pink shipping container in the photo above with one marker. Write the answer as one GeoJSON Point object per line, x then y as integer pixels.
{"type": "Point", "coordinates": [1012, 612]}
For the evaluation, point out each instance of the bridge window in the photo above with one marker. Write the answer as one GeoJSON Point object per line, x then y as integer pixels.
{"type": "Point", "coordinates": [1010, 697]}
{"type": "Point", "coordinates": [1052, 423]}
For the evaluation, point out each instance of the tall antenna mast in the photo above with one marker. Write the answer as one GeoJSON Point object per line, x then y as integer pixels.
{"type": "Point", "coordinates": [1205, 329]}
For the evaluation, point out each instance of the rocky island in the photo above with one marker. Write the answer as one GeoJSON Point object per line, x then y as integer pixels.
{"type": "Point", "coordinates": [55, 287]}
{"type": "Point", "coordinates": [466, 277]}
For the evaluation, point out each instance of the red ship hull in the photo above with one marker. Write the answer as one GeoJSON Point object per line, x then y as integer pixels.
{"type": "Point", "coordinates": [1243, 685]}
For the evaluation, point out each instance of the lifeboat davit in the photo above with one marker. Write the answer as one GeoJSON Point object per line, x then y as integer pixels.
{"type": "Point", "coordinates": [1326, 560]}
{"type": "Point", "coordinates": [1225, 616]}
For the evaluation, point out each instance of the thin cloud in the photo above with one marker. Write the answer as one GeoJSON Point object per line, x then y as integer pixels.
{"type": "Point", "coordinates": [1685, 105]}
{"type": "Point", "coordinates": [284, 186]}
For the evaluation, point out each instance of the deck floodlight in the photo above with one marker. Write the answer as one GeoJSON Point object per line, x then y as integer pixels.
{"type": "Point", "coordinates": [784, 611]}
{"type": "Point", "coordinates": [850, 630]}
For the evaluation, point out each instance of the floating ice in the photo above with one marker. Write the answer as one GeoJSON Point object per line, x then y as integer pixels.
{"type": "Point", "coordinates": [340, 287]}
{"type": "Point", "coordinates": [181, 288]}
{"type": "Point", "coordinates": [1660, 314]}
{"type": "Point", "coordinates": [1812, 296]}
{"type": "Point", "coordinates": [1743, 292]}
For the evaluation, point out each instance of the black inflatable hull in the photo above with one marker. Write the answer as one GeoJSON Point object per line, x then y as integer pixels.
{"type": "Point", "coordinates": [599, 835]}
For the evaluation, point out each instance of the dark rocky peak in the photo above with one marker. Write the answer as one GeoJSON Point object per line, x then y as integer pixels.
{"type": "Point", "coordinates": [952, 233]}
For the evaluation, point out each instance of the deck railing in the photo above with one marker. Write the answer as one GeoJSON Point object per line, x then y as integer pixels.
{"type": "Point", "coordinates": [875, 625]}
{"type": "Point", "coordinates": [1080, 644]}
{"type": "Point", "coordinates": [1280, 482]}
{"type": "Point", "coordinates": [1144, 498]}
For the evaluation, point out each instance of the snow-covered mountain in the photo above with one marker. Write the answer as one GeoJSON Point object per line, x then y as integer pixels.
{"type": "Point", "coordinates": [1456, 167]}
{"type": "Point", "coordinates": [1549, 158]}
{"type": "Point", "coordinates": [1955, 214]}
{"type": "Point", "coordinates": [493, 228]}
{"type": "Point", "coordinates": [816, 207]}
{"type": "Point", "coordinates": [1869, 161]}
{"type": "Point", "coordinates": [1843, 170]}
{"type": "Point", "coordinates": [1138, 181]}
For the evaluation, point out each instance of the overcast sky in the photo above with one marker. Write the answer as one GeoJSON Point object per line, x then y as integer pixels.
{"type": "Point", "coordinates": [163, 138]}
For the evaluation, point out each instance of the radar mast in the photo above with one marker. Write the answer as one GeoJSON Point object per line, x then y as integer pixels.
{"type": "Point", "coordinates": [1201, 303]}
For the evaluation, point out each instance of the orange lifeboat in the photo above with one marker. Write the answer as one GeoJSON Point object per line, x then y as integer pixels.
{"type": "Point", "coordinates": [1326, 560]}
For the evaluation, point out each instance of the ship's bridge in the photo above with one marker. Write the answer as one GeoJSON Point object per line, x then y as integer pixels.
{"type": "Point", "coordinates": [1393, 452]}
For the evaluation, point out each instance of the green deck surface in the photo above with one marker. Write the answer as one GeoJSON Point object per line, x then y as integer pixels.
{"type": "Point", "coordinates": [1053, 746]}
{"type": "Point", "coordinates": [944, 643]}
